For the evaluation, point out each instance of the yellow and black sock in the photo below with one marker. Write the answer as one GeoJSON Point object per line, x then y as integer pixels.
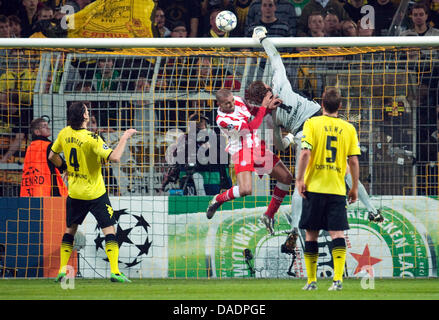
{"type": "Point", "coordinates": [339, 257]}
{"type": "Point", "coordinates": [112, 251]}
{"type": "Point", "coordinates": [311, 255]}
{"type": "Point", "coordinates": [65, 251]}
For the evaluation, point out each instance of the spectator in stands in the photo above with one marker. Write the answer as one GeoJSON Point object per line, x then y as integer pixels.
{"type": "Point", "coordinates": [160, 20]}
{"type": "Point", "coordinates": [5, 30]}
{"type": "Point", "coordinates": [353, 8]}
{"type": "Point", "coordinates": [15, 26]}
{"type": "Point", "coordinates": [14, 124]}
{"type": "Point", "coordinates": [40, 177]}
{"type": "Point", "coordinates": [419, 17]}
{"type": "Point", "coordinates": [275, 26]}
{"type": "Point", "coordinates": [384, 12]}
{"type": "Point", "coordinates": [284, 11]}
{"type": "Point", "coordinates": [333, 6]}
{"type": "Point", "coordinates": [348, 28]}
{"type": "Point", "coordinates": [332, 25]}
{"type": "Point", "coordinates": [188, 11]}
{"type": "Point", "coordinates": [28, 16]}
{"type": "Point", "coordinates": [84, 87]}
{"type": "Point", "coordinates": [316, 24]}
{"type": "Point", "coordinates": [44, 14]}
{"type": "Point", "coordinates": [78, 5]}
{"type": "Point", "coordinates": [106, 77]}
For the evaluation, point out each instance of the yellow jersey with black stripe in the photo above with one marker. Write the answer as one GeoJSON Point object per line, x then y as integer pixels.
{"type": "Point", "coordinates": [84, 152]}
{"type": "Point", "coordinates": [331, 140]}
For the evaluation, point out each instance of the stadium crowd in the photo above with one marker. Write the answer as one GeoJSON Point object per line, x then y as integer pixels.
{"type": "Point", "coordinates": [282, 18]}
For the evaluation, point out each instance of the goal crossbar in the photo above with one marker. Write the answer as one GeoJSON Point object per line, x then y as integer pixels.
{"type": "Point", "coordinates": [239, 42]}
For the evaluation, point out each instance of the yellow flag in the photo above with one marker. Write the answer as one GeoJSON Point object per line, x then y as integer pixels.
{"type": "Point", "coordinates": [113, 19]}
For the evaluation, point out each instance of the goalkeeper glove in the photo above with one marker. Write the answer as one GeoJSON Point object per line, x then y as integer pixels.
{"type": "Point", "coordinates": [259, 33]}
{"type": "Point", "coordinates": [287, 140]}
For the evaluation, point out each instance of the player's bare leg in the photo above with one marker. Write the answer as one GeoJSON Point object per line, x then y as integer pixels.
{"type": "Point", "coordinates": [244, 188]}
{"type": "Point", "coordinates": [284, 179]}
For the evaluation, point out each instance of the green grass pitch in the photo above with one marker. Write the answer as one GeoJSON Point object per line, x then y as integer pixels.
{"type": "Point", "coordinates": [215, 289]}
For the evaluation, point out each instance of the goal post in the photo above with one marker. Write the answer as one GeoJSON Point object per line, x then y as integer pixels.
{"type": "Point", "coordinates": [165, 88]}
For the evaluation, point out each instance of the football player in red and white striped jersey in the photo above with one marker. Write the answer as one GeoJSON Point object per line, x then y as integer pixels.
{"type": "Point", "coordinates": [249, 152]}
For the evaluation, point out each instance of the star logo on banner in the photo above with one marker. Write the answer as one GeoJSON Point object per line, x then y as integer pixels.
{"type": "Point", "coordinates": [144, 248]}
{"type": "Point", "coordinates": [132, 238]}
{"type": "Point", "coordinates": [364, 259]}
{"type": "Point", "coordinates": [122, 235]}
{"type": "Point", "coordinates": [141, 222]}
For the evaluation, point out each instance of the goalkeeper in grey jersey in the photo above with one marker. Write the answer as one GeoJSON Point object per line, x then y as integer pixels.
{"type": "Point", "coordinates": [291, 115]}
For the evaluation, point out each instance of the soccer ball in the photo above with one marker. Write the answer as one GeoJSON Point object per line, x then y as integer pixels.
{"type": "Point", "coordinates": [226, 21]}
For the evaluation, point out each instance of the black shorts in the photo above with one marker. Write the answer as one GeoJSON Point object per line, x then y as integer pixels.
{"type": "Point", "coordinates": [321, 211]}
{"type": "Point", "coordinates": [100, 208]}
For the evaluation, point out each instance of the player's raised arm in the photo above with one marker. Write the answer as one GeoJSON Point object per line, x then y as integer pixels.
{"type": "Point", "coordinates": [280, 79]}
{"type": "Point", "coordinates": [118, 151]}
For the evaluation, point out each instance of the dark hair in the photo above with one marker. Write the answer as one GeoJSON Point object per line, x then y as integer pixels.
{"type": "Point", "coordinates": [420, 5]}
{"type": "Point", "coordinates": [75, 115]}
{"type": "Point", "coordinates": [317, 13]}
{"type": "Point", "coordinates": [331, 99]}
{"type": "Point", "coordinates": [256, 92]}
{"type": "Point", "coordinates": [14, 19]}
{"type": "Point", "coordinates": [177, 24]}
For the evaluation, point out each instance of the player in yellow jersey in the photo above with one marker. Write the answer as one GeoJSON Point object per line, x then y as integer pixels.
{"type": "Point", "coordinates": [84, 151]}
{"type": "Point", "coordinates": [327, 142]}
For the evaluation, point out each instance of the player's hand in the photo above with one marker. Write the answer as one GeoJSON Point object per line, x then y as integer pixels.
{"type": "Point", "coordinates": [259, 33]}
{"type": "Point", "coordinates": [129, 133]}
{"type": "Point", "coordinates": [301, 188]}
{"type": "Point", "coordinates": [271, 101]}
{"type": "Point", "coordinates": [352, 196]}
{"type": "Point", "coordinates": [274, 103]}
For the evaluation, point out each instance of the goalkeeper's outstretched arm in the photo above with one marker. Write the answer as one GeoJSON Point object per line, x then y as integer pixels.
{"type": "Point", "coordinates": [280, 79]}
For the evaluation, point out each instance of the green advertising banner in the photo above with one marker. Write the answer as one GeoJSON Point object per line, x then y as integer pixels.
{"type": "Point", "coordinates": [235, 244]}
